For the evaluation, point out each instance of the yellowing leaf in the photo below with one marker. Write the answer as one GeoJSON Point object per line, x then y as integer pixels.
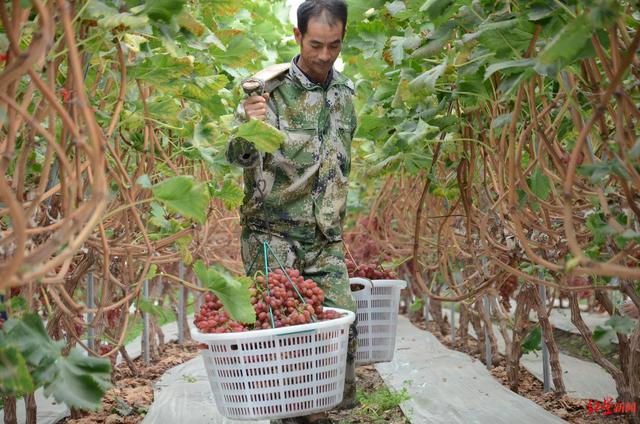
{"type": "Point", "coordinates": [262, 135]}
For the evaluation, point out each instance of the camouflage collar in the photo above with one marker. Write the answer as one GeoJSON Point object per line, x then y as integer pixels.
{"type": "Point", "coordinates": [299, 77]}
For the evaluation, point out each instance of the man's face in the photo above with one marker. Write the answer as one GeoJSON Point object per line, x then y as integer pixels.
{"type": "Point", "coordinates": [319, 48]}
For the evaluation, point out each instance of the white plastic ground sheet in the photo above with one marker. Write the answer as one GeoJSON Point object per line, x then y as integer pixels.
{"type": "Point", "coordinates": [447, 386]}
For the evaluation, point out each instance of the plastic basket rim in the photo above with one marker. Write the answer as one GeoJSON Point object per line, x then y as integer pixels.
{"type": "Point", "coordinates": [349, 318]}
{"type": "Point", "coordinates": [378, 283]}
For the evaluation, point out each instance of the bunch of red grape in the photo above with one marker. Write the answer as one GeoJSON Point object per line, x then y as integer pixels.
{"type": "Point", "coordinates": [277, 305]}
{"type": "Point", "coordinates": [105, 348]}
{"type": "Point", "coordinates": [507, 288]}
{"type": "Point", "coordinates": [113, 317]}
{"type": "Point", "coordinates": [372, 272]}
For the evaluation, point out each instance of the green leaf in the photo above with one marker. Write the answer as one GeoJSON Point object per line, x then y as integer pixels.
{"type": "Point", "coordinates": [540, 185]}
{"type": "Point", "coordinates": [572, 263]}
{"type": "Point", "coordinates": [502, 120]}
{"type": "Point", "coordinates": [532, 342]}
{"type": "Point", "coordinates": [621, 324]}
{"type": "Point", "coordinates": [631, 235]}
{"type": "Point", "coordinates": [396, 7]}
{"type": "Point", "coordinates": [184, 195]}
{"type": "Point", "coordinates": [158, 217]}
{"type": "Point", "coordinates": [397, 49]}
{"type": "Point", "coordinates": [232, 292]}
{"type": "Point", "coordinates": [417, 305]}
{"type": "Point", "coordinates": [566, 46]}
{"type": "Point", "coordinates": [133, 42]}
{"type": "Point", "coordinates": [230, 193]}
{"type": "Point", "coordinates": [430, 48]}
{"type": "Point", "coordinates": [599, 227]}
{"type": "Point", "coordinates": [14, 375]}
{"type": "Point", "coordinates": [163, 10]}
{"type": "Point", "coordinates": [30, 337]}
{"type": "Point", "coordinates": [370, 38]}
{"type": "Point", "coordinates": [109, 17]}
{"type": "Point", "coordinates": [603, 336]}
{"type": "Point", "coordinates": [153, 271]}
{"type": "Point", "coordinates": [416, 132]}
{"type": "Point", "coordinates": [148, 306]}
{"type": "Point", "coordinates": [599, 170]}
{"type": "Point", "coordinates": [434, 8]}
{"type": "Point", "coordinates": [144, 181]}
{"type": "Point", "coordinates": [81, 380]}
{"type": "Point", "coordinates": [77, 380]}
{"type": "Point", "coordinates": [240, 51]}
{"type": "Point", "coordinates": [509, 64]}
{"type": "Point", "coordinates": [426, 81]}
{"type": "Point", "coordinates": [200, 141]}
{"type": "Point", "coordinates": [123, 408]}
{"type": "Point", "coordinates": [262, 135]}
{"type": "Point", "coordinates": [540, 11]}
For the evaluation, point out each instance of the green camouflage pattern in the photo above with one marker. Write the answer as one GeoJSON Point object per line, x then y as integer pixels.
{"type": "Point", "coordinates": [304, 184]}
{"type": "Point", "coordinates": [296, 197]}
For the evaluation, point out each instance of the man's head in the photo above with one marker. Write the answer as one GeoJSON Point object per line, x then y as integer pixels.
{"type": "Point", "coordinates": [321, 28]}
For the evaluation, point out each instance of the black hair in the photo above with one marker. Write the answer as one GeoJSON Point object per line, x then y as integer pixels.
{"type": "Point", "coordinates": [332, 11]}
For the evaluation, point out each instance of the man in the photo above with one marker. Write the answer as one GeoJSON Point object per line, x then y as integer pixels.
{"type": "Point", "coordinates": [296, 197]}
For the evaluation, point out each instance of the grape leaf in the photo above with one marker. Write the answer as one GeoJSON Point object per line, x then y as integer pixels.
{"type": "Point", "coordinates": [232, 292]}
{"type": "Point", "coordinates": [77, 380]}
{"type": "Point", "coordinates": [184, 195]}
{"type": "Point", "coordinates": [540, 184]}
{"type": "Point", "coordinates": [567, 44]}
{"type": "Point", "coordinates": [262, 135]}
{"type": "Point", "coordinates": [532, 342]}
{"type": "Point", "coordinates": [14, 375]}
{"type": "Point", "coordinates": [80, 380]}
{"type": "Point", "coordinates": [230, 193]}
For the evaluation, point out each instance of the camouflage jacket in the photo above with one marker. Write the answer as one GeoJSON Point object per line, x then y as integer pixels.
{"type": "Point", "coordinates": [303, 185]}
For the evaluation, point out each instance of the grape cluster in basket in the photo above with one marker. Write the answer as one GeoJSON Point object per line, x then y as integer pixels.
{"type": "Point", "coordinates": [372, 272]}
{"type": "Point", "coordinates": [278, 306]}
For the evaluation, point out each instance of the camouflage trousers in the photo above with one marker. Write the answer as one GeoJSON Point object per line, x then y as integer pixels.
{"type": "Point", "coordinates": [323, 262]}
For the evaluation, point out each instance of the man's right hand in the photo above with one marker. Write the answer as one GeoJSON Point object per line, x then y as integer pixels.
{"type": "Point", "coordinates": [255, 107]}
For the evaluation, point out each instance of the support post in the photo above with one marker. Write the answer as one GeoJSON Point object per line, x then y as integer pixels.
{"type": "Point", "coordinates": [425, 307]}
{"type": "Point", "coordinates": [181, 305]}
{"type": "Point", "coordinates": [453, 324]}
{"type": "Point", "coordinates": [90, 304]}
{"type": "Point", "coordinates": [546, 375]}
{"type": "Point", "coordinates": [487, 340]}
{"type": "Point", "coordinates": [145, 325]}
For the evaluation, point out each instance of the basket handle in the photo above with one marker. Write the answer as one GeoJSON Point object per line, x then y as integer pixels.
{"type": "Point", "coordinates": [361, 281]}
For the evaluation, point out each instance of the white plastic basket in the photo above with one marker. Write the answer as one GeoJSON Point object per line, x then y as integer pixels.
{"type": "Point", "coordinates": [278, 373]}
{"type": "Point", "coordinates": [378, 304]}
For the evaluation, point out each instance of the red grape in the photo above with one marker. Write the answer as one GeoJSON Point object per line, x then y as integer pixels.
{"type": "Point", "coordinates": [275, 304]}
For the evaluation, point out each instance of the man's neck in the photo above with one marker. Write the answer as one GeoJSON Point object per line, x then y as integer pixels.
{"type": "Point", "coordinates": [324, 83]}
